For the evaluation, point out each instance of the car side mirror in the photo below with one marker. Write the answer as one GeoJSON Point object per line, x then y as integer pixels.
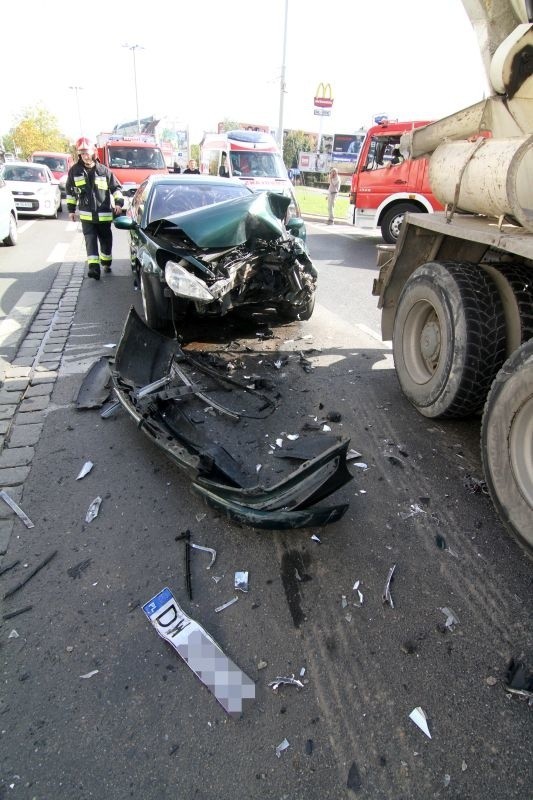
{"type": "Point", "coordinates": [296, 226]}
{"type": "Point", "coordinates": [124, 223]}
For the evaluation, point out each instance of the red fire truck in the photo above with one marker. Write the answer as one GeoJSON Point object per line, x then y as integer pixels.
{"type": "Point", "coordinates": [385, 185]}
{"type": "Point", "coordinates": [131, 158]}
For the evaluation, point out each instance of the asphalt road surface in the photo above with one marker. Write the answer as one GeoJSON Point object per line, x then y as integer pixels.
{"type": "Point", "coordinates": [96, 705]}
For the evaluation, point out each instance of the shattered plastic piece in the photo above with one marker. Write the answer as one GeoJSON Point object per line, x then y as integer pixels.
{"type": "Point", "coordinates": [351, 454]}
{"type": "Point", "coordinates": [90, 674]}
{"type": "Point", "coordinates": [281, 747]}
{"type": "Point", "coordinates": [326, 427]}
{"type": "Point", "coordinates": [110, 410]}
{"type": "Point", "coordinates": [464, 766]}
{"type": "Point", "coordinates": [451, 618]}
{"type": "Point", "coordinates": [519, 680]}
{"type": "Point", "coordinates": [293, 436]}
{"type": "Point", "coordinates": [302, 672]}
{"type": "Point", "coordinates": [18, 511]}
{"type": "Point", "coordinates": [447, 779]}
{"type": "Point", "coordinates": [315, 538]}
{"type": "Point", "coordinates": [87, 467]}
{"type": "Point", "coordinates": [387, 597]}
{"type": "Point", "coordinates": [359, 592]}
{"type": "Point", "coordinates": [279, 442]}
{"type": "Point", "coordinates": [292, 681]}
{"type": "Point", "coordinates": [216, 578]}
{"type": "Point", "coordinates": [206, 550]}
{"type": "Point", "coordinates": [35, 570]}
{"type": "Point", "coordinates": [226, 605]}
{"type": "Point", "coordinates": [200, 652]}
{"type": "Point", "coordinates": [361, 465]}
{"type": "Point", "coordinates": [348, 617]}
{"type": "Point", "coordinates": [110, 345]}
{"type": "Point", "coordinates": [94, 508]}
{"type": "Point", "coordinates": [96, 385]}
{"type": "Point", "coordinates": [418, 716]}
{"type": "Point", "coordinates": [200, 517]}
{"type": "Point", "coordinates": [354, 778]}
{"type": "Point", "coordinates": [415, 509]}
{"type": "Point", "coordinates": [344, 601]}
{"type": "Point", "coordinates": [13, 634]}
{"type": "Point", "coordinates": [241, 581]}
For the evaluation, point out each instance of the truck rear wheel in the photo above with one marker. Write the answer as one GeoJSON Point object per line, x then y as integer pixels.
{"type": "Point", "coordinates": [392, 219]}
{"type": "Point", "coordinates": [515, 284]}
{"type": "Point", "coordinates": [506, 444]}
{"type": "Point", "coordinates": [448, 338]}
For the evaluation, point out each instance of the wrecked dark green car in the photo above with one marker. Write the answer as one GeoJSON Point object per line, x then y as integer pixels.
{"type": "Point", "coordinates": [208, 246]}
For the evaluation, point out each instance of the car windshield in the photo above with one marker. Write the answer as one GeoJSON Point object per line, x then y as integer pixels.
{"type": "Point", "coordinates": [22, 173]}
{"type": "Point", "coordinates": [136, 158]}
{"type": "Point", "coordinates": [168, 199]}
{"type": "Point", "coordinates": [53, 162]}
{"type": "Point", "coordinates": [257, 165]}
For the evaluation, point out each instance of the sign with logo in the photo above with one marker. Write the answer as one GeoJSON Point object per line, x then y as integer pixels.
{"type": "Point", "coordinates": [323, 96]}
{"type": "Point", "coordinates": [322, 112]}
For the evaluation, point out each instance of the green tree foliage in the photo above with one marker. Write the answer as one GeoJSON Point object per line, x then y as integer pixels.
{"type": "Point", "coordinates": [294, 143]}
{"type": "Point", "coordinates": [229, 125]}
{"type": "Point", "coordinates": [36, 129]}
{"type": "Point", "coordinates": [195, 152]}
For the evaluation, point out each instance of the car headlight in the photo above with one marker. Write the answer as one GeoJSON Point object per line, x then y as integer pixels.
{"type": "Point", "coordinates": [183, 284]}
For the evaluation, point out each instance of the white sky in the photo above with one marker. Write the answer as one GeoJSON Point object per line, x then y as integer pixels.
{"type": "Point", "coordinates": [206, 60]}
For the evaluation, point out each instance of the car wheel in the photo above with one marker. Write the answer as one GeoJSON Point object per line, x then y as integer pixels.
{"type": "Point", "coordinates": [12, 237]}
{"type": "Point", "coordinates": [392, 221]}
{"type": "Point", "coordinates": [60, 207]}
{"type": "Point", "coordinates": [301, 313]}
{"type": "Point", "coordinates": [506, 444]}
{"type": "Point", "coordinates": [155, 305]}
{"type": "Point", "coordinates": [448, 338]}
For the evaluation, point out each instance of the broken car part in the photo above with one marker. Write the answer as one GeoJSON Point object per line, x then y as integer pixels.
{"type": "Point", "coordinates": [241, 581]}
{"type": "Point", "coordinates": [28, 577]}
{"type": "Point", "coordinates": [281, 747]}
{"type": "Point", "coordinates": [200, 652]}
{"type": "Point", "coordinates": [387, 597]}
{"type": "Point", "coordinates": [18, 511]}
{"type": "Point", "coordinates": [94, 508]}
{"type": "Point", "coordinates": [226, 605]}
{"type": "Point", "coordinates": [292, 681]}
{"type": "Point", "coordinates": [451, 618]}
{"type": "Point", "coordinates": [96, 385]}
{"type": "Point", "coordinates": [206, 550]}
{"type": "Point", "coordinates": [87, 467]}
{"type": "Point", "coordinates": [418, 716]}
{"type": "Point", "coordinates": [519, 679]}
{"type": "Point", "coordinates": [228, 482]}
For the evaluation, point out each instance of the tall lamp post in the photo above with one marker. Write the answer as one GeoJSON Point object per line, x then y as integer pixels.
{"type": "Point", "coordinates": [78, 89]}
{"type": "Point", "coordinates": [282, 88]}
{"type": "Point", "coordinates": [133, 48]}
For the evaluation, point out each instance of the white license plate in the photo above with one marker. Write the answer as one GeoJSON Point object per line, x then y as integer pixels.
{"type": "Point", "coordinates": [22, 204]}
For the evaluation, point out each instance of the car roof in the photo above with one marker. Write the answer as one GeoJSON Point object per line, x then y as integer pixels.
{"type": "Point", "coordinates": [180, 178]}
{"type": "Point", "coordinates": [50, 153]}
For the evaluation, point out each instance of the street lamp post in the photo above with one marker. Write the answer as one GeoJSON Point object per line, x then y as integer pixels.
{"type": "Point", "coordinates": [133, 48]}
{"type": "Point", "coordinates": [282, 88]}
{"type": "Point", "coordinates": [78, 89]}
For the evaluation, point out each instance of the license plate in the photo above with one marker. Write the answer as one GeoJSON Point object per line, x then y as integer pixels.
{"type": "Point", "coordinates": [22, 204]}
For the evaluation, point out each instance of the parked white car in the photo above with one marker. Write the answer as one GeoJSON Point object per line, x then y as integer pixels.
{"type": "Point", "coordinates": [35, 190]}
{"type": "Point", "coordinates": [8, 215]}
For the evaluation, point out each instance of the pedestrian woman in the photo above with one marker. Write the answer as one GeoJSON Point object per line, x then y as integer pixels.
{"type": "Point", "coordinates": [333, 190]}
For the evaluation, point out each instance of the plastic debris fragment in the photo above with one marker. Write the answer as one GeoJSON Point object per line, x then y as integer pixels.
{"type": "Point", "coordinates": [352, 454]}
{"type": "Point", "coordinates": [18, 511]}
{"type": "Point", "coordinates": [519, 680]}
{"type": "Point", "coordinates": [414, 510]}
{"type": "Point", "coordinates": [241, 581]}
{"type": "Point", "coordinates": [447, 779]}
{"type": "Point", "coordinates": [359, 592]}
{"type": "Point", "coordinates": [418, 716]}
{"type": "Point", "coordinates": [13, 634]}
{"type": "Point", "coordinates": [90, 674]}
{"type": "Point", "coordinates": [354, 778]}
{"type": "Point", "coordinates": [280, 680]}
{"type": "Point", "coordinates": [281, 747]}
{"type": "Point", "coordinates": [293, 436]}
{"type": "Point", "coordinates": [94, 508]}
{"type": "Point", "coordinates": [387, 597]}
{"type": "Point", "coordinates": [201, 653]}
{"type": "Point", "coordinates": [110, 409]}
{"type": "Point", "coordinates": [344, 601]}
{"type": "Point", "coordinates": [87, 467]}
{"type": "Point", "coordinates": [451, 618]}
{"type": "Point", "coordinates": [226, 605]}
{"type": "Point", "coordinates": [361, 465]}
{"type": "Point", "coordinates": [315, 538]}
{"type": "Point", "coordinates": [206, 550]}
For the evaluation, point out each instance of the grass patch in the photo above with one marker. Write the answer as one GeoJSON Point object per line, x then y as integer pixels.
{"type": "Point", "coordinates": [315, 201]}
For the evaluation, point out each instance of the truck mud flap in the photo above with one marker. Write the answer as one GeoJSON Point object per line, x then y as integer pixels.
{"type": "Point", "coordinates": [192, 413]}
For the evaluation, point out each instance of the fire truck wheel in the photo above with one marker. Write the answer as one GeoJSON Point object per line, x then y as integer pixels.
{"type": "Point", "coordinates": [448, 338]}
{"type": "Point", "coordinates": [392, 219]}
{"type": "Point", "coordinates": [506, 435]}
{"type": "Point", "coordinates": [155, 305]}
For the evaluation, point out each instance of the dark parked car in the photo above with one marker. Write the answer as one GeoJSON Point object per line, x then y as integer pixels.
{"type": "Point", "coordinates": [208, 245]}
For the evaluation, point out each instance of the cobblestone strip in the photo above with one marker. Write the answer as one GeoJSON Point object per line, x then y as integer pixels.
{"type": "Point", "coordinates": [28, 385]}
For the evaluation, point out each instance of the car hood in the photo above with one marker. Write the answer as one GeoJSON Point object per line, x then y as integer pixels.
{"type": "Point", "coordinates": [233, 222]}
{"type": "Point", "coordinates": [27, 186]}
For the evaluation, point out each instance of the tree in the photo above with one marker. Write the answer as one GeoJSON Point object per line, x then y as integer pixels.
{"type": "Point", "coordinates": [294, 143]}
{"type": "Point", "coordinates": [36, 129]}
{"type": "Point", "coordinates": [228, 125]}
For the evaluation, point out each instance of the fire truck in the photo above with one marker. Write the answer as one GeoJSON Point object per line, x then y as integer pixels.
{"type": "Point", "coordinates": [131, 158]}
{"type": "Point", "coordinates": [385, 186]}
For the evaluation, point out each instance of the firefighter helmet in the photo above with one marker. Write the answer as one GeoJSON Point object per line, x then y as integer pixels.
{"type": "Point", "coordinates": [84, 144]}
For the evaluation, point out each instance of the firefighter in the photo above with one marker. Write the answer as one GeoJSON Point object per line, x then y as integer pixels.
{"type": "Point", "coordinates": [90, 186]}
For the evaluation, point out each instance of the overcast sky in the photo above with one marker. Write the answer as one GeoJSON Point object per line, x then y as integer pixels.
{"type": "Point", "coordinates": [207, 60]}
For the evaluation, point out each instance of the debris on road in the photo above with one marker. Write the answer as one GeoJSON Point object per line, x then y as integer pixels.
{"type": "Point", "coordinates": [475, 485]}
{"type": "Point", "coordinates": [96, 386]}
{"type": "Point", "coordinates": [17, 613]}
{"type": "Point", "coordinates": [109, 410]}
{"type": "Point", "coordinates": [241, 581]}
{"type": "Point", "coordinates": [188, 582]}
{"type": "Point", "coordinates": [519, 679]}
{"type": "Point", "coordinates": [18, 511]}
{"type": "Point", "coordinates": [309, 747]}
{"type": "Point", "coordinates": [90, 674]}
{"type": "Point", "coordinates": [9, 566]}
{"type": "Point", "coordinates": [94, 508]}
{"type": "Point", "coordinates": [414, 510]}
{"type": "Point", "coordinates": [354, 778]}
{"type": "Point", "coordinates": [13, 634]}
{"type": "Point", "coordinates": [418, 716]}
{"type": "Point", "coordinates": [451, 618]}
{"type": "Point", "coordinates": [226, 605]}
{"type": "Point", "coordinates": [200, 652]}
{"type": "Point", "coordinates": [281, 747]}
{"type": "Point", "coordinates": [77, 570]}
{"type": "Point", "coordinates": [359, 592]}
{"type": "Point", "coordinates": [206, 550]}
{"type": "Point", "coordinates": [315, 538]}
{"type": "Point", "coordinates": [279, 681]}
{"type": "Point", "coordinates": [387, 597]}
{"type": "Point", "coordinates": [352, 454]}
{"type": "Point", "coordinates": [87, 467]}
{"type": "Point", "coordinates": [34, 571]}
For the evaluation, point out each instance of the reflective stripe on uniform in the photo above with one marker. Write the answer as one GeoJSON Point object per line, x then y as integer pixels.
{"type": "Point", "coordinates": [72, 200]}
{"type": "Point", "coordinates": [86, 216]}
{"type": "Point", "coordinates": [105, 259]}
{"type": "Point", "coordinates": [93, 260]}
{"type": "Point", "coordinates": [79, 180]}
{"type": "Point", "coordinates": [105, 216]}
{"type": "Point", "coordinates": [100, 181]}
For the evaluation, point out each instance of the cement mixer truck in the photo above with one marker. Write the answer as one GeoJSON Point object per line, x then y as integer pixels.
{"type": "Point", "coordinates": [456, 292]}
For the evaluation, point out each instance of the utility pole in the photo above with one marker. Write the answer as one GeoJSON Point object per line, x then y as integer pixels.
{"type": "Point", "coordinates": [282, 88]}
{"type": "Point", "coordinates": [77, 89]}
{"type": "Point", "coordinates": [133, 48]}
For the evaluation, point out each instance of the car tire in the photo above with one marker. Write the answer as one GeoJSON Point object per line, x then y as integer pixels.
{"type": "Point", "coordinates": [506, 444]}
{"type": "Point", "coordinates": [157, 311]}
{"type": "Point", "coordinates": [12, 237]}
{"type": "Point", "coordinates": [60, 207]}
{"type": "Point", "coordinates": [392, 220]}
{"type": "Point", "coordinates": [301, 313]}
{"type": "Point", "coordinates": [449, 338]}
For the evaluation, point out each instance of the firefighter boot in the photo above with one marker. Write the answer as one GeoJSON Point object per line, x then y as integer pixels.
{"type": "Point", "coordinates": [94, 271]}
{"type": "Point", "coordinates": [106, 262]}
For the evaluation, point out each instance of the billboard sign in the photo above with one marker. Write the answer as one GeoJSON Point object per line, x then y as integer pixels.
{"type": "Point", "coordinates": [346, 146]}
{"type": "Point", "coordinates": [323, 98]}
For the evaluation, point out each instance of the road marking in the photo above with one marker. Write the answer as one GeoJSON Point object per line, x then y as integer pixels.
{"type": "Point", "coordinates": [370, 332]}
{"type": "Point", "coordinates": [13, 326]}
{"type": "Point", "coordinates": [25, 226]}
{"type": "Point", "coordinates": [59, 252]}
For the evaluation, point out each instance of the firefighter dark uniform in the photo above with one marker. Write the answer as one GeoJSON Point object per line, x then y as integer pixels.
{"type": "Point", "coordinates": [91, 188]}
